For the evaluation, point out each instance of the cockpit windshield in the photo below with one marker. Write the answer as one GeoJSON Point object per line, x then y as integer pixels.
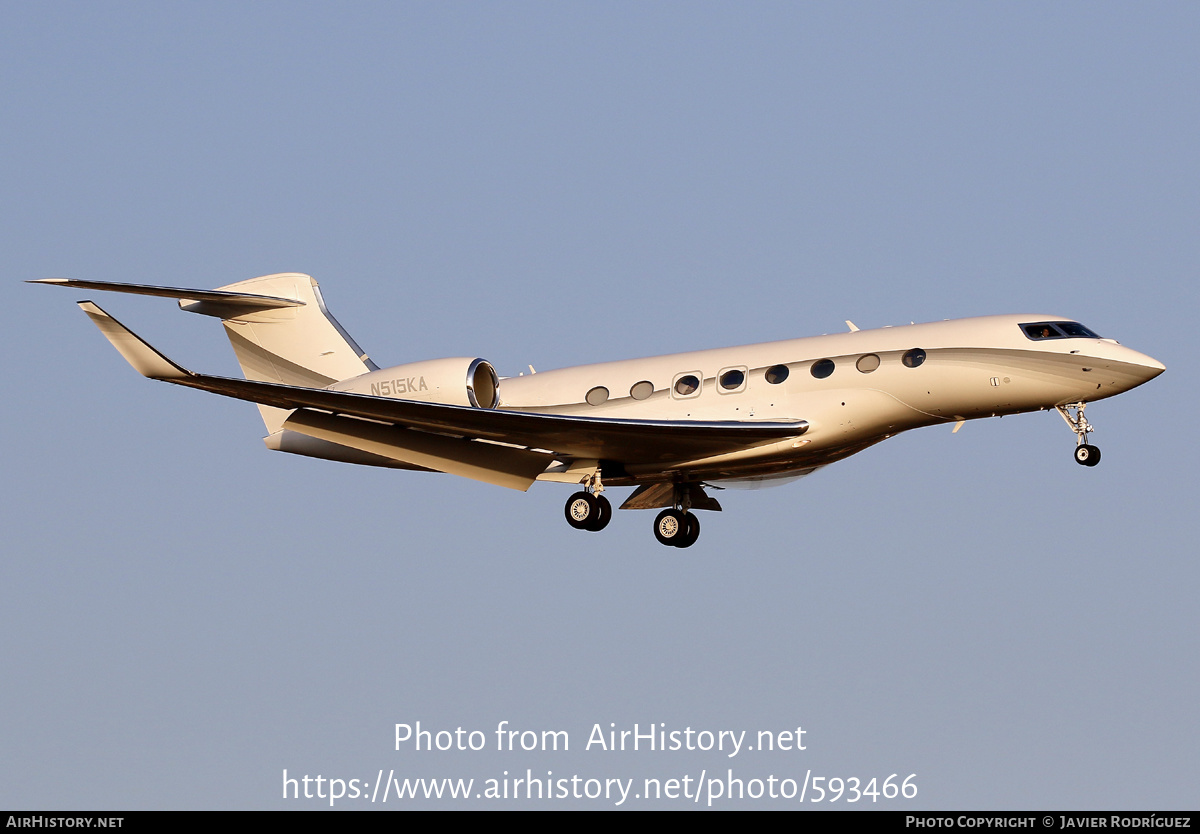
{"type": "Point", "coordinates": [1057, 330]}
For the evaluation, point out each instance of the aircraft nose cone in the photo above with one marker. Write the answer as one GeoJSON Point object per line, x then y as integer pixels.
{"type": "Point", "coordinates": [1153, 366]}
{"type": "Point", "coordinates": [1127, 367]}
{"type": "Point", "coordinates": [1142, 367]}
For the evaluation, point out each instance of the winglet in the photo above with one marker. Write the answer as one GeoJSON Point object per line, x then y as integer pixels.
{"type": "Point", "coordinates": [852, 326]}
{"type": "Point", "coordinates": [145, 360]}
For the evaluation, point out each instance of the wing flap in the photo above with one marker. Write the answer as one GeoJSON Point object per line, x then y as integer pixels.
{"type": "Point", "coordinates": [501, 465]}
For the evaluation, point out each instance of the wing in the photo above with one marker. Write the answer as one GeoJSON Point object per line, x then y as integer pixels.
{"type": "Point", "coordinates": [510, 448]}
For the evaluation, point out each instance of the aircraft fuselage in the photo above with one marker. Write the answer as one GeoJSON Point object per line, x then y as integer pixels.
{"type": "Point", "coordinates": [854, 389]}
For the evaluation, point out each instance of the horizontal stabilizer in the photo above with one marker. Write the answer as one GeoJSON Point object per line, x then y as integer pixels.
{"type": "Point", "coordinates": [145, 360]}
{"type": "Point", "coordinates": [249, 301]}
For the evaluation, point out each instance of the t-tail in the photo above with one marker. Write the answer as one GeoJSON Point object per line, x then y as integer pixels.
{"type": "Point", "coordinates": [278, 326]}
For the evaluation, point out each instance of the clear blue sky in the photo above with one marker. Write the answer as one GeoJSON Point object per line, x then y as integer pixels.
{"type": "Point", "coordinates": [187, 614]}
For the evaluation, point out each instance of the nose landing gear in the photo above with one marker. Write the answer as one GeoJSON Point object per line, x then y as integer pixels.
{"type": "Point", "coordinates": [1085, 453]}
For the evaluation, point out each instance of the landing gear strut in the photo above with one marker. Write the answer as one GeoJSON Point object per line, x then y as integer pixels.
{"type": "Point", "coordinates": [589, 510]}
{"type": "Point", "coordinates": [1085, 453]}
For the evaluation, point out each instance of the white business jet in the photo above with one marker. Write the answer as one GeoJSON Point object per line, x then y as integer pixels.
{"type": "Point", "coordinates": [672, 426]}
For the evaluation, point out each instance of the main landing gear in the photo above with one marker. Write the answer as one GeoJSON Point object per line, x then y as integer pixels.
{"type": "Point", "coordinates": [589, 510]}
{"type": "Point", "coordinates": [676, 526]}
{"type": "Point", "coordinates": [1085, 453]}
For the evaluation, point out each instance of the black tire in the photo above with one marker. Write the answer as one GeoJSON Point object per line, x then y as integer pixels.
{"type": "Point", "coordinates": [692, 533]}
{"type": "Point", "coordinates": [1086, 455]}
{"type": "Point", "coordinates": [604, 513]}
{"type": "Point", "coordinates": [669, 527]}
{"type": "Point", "coordinates": [581, 511]}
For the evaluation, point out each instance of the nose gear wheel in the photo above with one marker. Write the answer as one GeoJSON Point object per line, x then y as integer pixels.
{"type": "Point", "coordinates": [1085, 453]}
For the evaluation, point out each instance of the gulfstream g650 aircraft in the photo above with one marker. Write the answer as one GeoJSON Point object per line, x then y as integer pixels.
{"type": "Point", "coordinates": [669, 425]}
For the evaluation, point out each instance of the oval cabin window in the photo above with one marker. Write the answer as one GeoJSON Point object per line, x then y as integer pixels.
{"type": "Point", "coordinates": [732, 380]}
{"type": "Point", "coordinates": [642, 390]}
{"type": "Point", "coordinates": [867, 363]}
{"type": "Point", "coordinates": [597, 396]}
{"type": "Point", "coordinates": [822, 369]}
{"type": "Point", "coordinates": [913, 358]}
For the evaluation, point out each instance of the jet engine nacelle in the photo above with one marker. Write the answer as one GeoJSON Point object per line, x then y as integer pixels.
{"type": "Point", "coordinates": [459, 381]}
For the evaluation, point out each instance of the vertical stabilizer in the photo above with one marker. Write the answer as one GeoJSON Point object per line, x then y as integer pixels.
{"type": "Point", "coordinates": [301, 345]}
